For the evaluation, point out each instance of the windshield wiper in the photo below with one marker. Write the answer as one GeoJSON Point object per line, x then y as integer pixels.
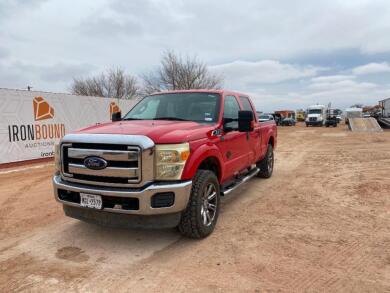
{"type": "Point", "coordinates": [132, 119]}
{"type": "Point", "coordinates": [170, 118]}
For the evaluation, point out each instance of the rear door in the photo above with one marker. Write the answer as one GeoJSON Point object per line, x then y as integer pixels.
{"type": "Point", "coordinates": [253, 138]}
{"type": "Point", "coordinates": [233, 144]}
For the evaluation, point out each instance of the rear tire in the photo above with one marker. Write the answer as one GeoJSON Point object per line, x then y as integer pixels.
{"type": "Point", "coordinates": [266, 165]}
{"type": "Point", "coordinates": [201, 215]}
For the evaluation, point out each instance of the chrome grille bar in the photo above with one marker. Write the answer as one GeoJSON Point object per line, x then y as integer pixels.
{"type": "Point", "coordinates": [107, 172]}
{"type": "Point", "coordinates": [109, 155]}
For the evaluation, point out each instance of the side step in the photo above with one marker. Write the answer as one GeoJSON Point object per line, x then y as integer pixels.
{"type": "Point", "coordinates": [240, 181]}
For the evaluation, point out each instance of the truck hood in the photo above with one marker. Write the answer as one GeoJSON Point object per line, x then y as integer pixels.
{"type": "Point", "coordinates": [314, 115]}
{"type": "Point", "coordinates": [157, 130]}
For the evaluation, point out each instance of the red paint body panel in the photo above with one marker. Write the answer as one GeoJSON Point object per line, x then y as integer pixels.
{"type": "Point", "coordinates": [234, 151]}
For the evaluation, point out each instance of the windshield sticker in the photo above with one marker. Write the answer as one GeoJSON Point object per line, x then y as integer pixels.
{"type": "Point", "coordinates": [208, 119]}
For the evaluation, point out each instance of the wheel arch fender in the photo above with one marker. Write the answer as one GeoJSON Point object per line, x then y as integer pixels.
{"type": "Point", "coordinates": [201, 154]}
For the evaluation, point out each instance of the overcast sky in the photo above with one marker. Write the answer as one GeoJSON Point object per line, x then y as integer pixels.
{"type": "Point", "coordinates": [286, 54]}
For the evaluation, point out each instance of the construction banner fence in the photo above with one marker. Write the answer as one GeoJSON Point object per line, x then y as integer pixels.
{"type": "Point", "coordinates": [32, 122]}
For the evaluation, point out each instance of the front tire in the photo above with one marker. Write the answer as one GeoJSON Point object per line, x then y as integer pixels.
{"type": "Point", "coordinates": [266, 165]}
{"type": "Point", "coordinates": [200, 217]}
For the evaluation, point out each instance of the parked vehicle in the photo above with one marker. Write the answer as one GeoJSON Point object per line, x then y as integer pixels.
{"type": "Point", "coordinates": [353, 113]}
{"type": "Point", "coordinates": [166, 162]}
{"type": "Point", "coordinates": [300, 115]}
{"type": "Point", "coordinates": [278, 118]}
{"type": "Point", "coordinates": [331, 118]}
{"type": "Point", "coordinates": [315, 115]}
{"type": "Point", "coordinates": [266, 117]}
{"type": "Point", "coordinates": [338, 113]}
{"type": "Point", "coordinates": [286, 114]}
{"type": "Point", "coordinates": [288, 122]}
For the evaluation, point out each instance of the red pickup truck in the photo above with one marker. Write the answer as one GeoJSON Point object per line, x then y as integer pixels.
{"type": "Point", "coordinates": [166, 162]}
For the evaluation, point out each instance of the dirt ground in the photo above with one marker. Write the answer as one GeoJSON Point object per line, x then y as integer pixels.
{"type": "Point", "coordinates": [321, 223]}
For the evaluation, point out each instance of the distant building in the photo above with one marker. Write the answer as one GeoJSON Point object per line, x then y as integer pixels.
{"type": "Point", "coordinates": [385, 107]}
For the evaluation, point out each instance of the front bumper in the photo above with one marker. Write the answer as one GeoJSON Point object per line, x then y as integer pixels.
{"type": "Point", "coordinates": [144, 196]}
{"type": "Point", "coordinates": [314, 123]}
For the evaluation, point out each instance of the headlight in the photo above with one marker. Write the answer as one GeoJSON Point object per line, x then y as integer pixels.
{"type": "Point", "coordinates": [57, 158]}
{"type": "Point", "coordinates": [319, 118]}
{"type": "Point", "coordinates": [170, 160]}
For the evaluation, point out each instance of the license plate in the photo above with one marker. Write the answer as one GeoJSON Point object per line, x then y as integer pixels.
{"type": "Point", "coordinates": [92, 201]}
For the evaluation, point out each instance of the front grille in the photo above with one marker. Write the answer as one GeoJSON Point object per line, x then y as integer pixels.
{"type": "Point", "coordinates": [313, 119]}
{"type": "Point", "coordinates": [123, 164]}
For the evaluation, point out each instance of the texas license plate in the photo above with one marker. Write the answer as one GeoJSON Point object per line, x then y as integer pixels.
{"type": "Point", "coordinates": [92, 201]}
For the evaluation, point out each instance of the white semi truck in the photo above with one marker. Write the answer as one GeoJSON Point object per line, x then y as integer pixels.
{"type": "Point", "coordinates": [316, 115]}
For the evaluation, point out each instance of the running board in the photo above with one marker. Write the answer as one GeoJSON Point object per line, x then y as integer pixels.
{"type": "Point", "coordinates": [240, 181]}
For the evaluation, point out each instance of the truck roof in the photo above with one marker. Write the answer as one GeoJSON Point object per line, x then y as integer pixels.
{"type": "Point", "coordinates": [316, 106]}
{"type": "Point", "coordinates": [221, 92]}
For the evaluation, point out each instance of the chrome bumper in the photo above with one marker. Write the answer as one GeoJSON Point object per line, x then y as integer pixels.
{"type": "Point", "coordinates": [181, 190]}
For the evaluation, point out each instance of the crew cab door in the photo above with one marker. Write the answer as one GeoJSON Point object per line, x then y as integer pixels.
{"type": "Point", "coordinates": [253, 140]}
{"type": "Point", "coordinates": [233, 144]}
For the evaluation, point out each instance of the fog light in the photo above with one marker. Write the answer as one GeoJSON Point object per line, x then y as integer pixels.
{"type": "Point", "coordinates": [163, 200]}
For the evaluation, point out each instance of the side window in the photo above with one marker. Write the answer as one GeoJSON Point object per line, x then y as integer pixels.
{"type": "Point", "coordinates": [231, 109]}
{"type": "Point", "coordinates": [246, 104]}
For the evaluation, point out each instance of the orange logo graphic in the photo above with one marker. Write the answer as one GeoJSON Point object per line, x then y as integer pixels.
{"type": "Point", "coordinates": [114, 108]}
{"type": "Point", "coordinates": [42, 109]}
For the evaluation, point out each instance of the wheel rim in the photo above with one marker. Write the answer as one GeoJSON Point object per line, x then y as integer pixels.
{"type": "Point", "coordinates": [209, 204]}
{"type": "Point", "coordinates": [270, 162]}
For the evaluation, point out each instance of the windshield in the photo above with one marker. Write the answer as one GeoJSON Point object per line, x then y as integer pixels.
{"type": "Point", "coordinates": [314, 111]}
{"type": "Point", "coordinates": [198, 107]}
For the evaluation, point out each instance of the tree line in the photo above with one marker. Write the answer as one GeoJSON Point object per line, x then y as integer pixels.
{"type": "Point", "coordinates": [174, 73]}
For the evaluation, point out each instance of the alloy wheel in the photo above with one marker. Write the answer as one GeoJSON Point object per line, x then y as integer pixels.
{"type": "Point", "coordinates": [209, 205]}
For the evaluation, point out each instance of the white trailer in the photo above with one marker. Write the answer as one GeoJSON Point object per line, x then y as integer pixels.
{"type": "Point", "coordinates": [385, 107]}
{"type": "Point", "coordinates": [353, 113]}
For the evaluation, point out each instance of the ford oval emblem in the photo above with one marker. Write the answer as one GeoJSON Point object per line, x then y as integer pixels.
{"type": "Point", "coordinates": [95, 163]}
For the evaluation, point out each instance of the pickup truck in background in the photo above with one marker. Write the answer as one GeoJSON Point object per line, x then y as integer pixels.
{"type": "Point", "coordinates": [166, 162]}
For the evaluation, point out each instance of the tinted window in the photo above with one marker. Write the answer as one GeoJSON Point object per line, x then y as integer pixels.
{"type": "Point", "coordinates": [198, 107]}
{"type": "Point", "coordinates": [231, 109]}
{"type": "Point", "coordinates": [246, 104]}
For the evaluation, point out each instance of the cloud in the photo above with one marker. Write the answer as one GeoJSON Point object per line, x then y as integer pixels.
{"type": "Point", "coordinates": [54, 77]}
{"type": "Point", "coordinates": [3, 53]}
{"type": "Point", "coordinates": [372, 68]}
{"type": "Point", "coordinates": [284, 53]}
{"type": "Point", "coordinates": [332, 78]}
{"type": "Point", "coordinates": [341, 86]}
{"type": "Point", "coordinates": [245, 75]}
{"type": "Point", "coordinates": [8, 7]}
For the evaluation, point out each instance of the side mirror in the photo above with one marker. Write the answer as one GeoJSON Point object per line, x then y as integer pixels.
{"type": "Point", "coordinates": [226, 126]}
{"type": "Point", "coordinates": [117, 116]}
{"type": "Point", "coordinates": [245, 121]}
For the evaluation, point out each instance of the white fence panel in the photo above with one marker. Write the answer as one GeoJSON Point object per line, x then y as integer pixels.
{"type": "Point", "coordinates": [31, 122]}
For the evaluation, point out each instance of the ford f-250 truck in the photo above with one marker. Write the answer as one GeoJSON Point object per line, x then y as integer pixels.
{"type": "Point", "coordinates": [166, 162]}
